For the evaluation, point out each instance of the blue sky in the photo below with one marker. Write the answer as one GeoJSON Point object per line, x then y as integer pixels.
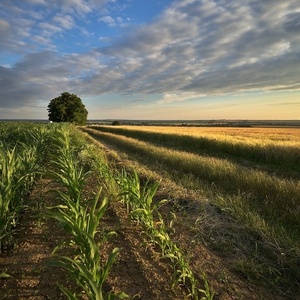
{"type": "Point", "coordinates": [164, 59]}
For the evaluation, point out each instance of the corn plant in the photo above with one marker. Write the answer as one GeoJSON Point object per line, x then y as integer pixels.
{"type": "Point", "coordinates": [139, 203]}
{"type": "Point", "coordinates": [139, 200]}
{"type": "Point", "coordinates": [20, 157]}
{"type": "Point", "coordinates": [89, 279]}
{"type": "Point", "coordinates": [78, 219]}
{"type": "Point", "coordinates": [16, 177]}
{"type": "Point", "coordinates": [81, 221]}
{"type": "Point", "coordinates": [86, 269]}
{"type": "Point", "coordinates": [129, 190]}
{"type": "Point", "coordinates": [182, 272]}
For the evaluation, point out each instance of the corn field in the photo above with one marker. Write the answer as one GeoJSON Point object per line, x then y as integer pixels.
{"type": "Point", "coordinates": [120, 229]}
{"type": "Point", "coordinates": [22, 151]}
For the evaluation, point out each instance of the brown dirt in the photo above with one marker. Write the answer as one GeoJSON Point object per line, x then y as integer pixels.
{"type": "Point", "coordinates": [36, 237]}
{"type": "Point", "coordinates": [138, 271]}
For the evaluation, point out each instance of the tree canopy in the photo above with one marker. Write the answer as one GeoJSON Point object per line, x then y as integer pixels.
{"type": "Point", "coordinates": [67, 108]}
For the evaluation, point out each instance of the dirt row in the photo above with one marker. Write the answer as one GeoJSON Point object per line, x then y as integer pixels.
{"type": "Point", "coordinates": [139, 271]}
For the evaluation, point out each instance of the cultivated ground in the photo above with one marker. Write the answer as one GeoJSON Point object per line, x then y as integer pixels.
{"type": "Point", "coordinates": [138, 271]}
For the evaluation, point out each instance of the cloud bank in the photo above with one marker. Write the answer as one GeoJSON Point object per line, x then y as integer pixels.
{"type": "Point", "coordinates": [190, 49]}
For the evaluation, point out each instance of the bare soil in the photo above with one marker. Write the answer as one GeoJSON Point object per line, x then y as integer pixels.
{"type": "Point", "coordinates": [36, 237]}
{"type": "Point", "coordinates": [138, 271]}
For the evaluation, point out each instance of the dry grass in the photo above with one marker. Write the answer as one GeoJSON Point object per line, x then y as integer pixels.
{"type": "Point", "coordinates": [252, 202]}
{"type": "Point", "coordinates": [290, 136]}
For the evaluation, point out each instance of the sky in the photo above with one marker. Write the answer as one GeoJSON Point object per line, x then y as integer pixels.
{"type": "Point", "coordinates": [152, 60]}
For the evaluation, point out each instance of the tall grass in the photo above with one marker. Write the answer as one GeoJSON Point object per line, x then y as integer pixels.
{"type": "Point", "coordinates": [285, 154]}
{"type": "Point", "coordinates": [273, 198]}
{"type": "Point", "coordinates": [262, 210]}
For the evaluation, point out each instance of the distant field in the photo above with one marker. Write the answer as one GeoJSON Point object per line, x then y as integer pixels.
{"type": "Point", "coordinates": [271, 146]}
{"type": "Point", "coordinates": [236, 133]}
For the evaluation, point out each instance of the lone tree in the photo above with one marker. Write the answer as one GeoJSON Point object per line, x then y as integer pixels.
{"type": "Point", "coordinates": [67, 108]}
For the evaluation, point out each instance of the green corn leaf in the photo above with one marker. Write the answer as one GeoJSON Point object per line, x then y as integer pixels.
{"type": "Point", "coordinates": [4, 276]}
{"type": "Point", "coordinates": [108, 265]}
{"type": "Point", "coordinates": [68, 293]}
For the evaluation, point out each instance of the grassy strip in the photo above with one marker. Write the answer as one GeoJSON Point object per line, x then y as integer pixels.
{"type": "Point", "coordinates": [263, 249]}
{"type": "Point", "coordinates": [272, 198]}
{"type": "Point", "coordinates": [286, 157]}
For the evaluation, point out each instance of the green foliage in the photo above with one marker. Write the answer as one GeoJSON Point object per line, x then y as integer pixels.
{"type": "Point", "coordinates": [139, 203]}
{"type": "Point", "coordinates": [21, 154]}
{"type": "Point", "coordinates": [116, 123]}
{"type": "Point", "coordinates": [80, 219]}
{"type": "Point", "coordinates": [67, 108]}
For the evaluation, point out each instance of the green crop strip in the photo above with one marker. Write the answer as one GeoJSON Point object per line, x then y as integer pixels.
{"type": "Point", "coordinates": [81, 220]}
{"type": "Point", "coordinates": [139, 203]}
{"type": "Point", "coordinates": [22, 151]}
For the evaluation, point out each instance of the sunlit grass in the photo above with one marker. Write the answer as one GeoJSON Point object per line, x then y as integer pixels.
{"type": "Point", "coordinates": [274, 154]}
{"type": "Point", "coordinates": [285, 135]}
{"type": "Point", "coordinates": [256, 205]}
{"type": "Point", "coordinates": [273, 198]}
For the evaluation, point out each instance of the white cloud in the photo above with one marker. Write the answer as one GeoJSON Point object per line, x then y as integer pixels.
{"type": "Point", "coordinates": [32, 18]}
{"type": "Point", "coordinates": [49, 29]}
{"type": "Point", "coordinates": [210, 46]}
{"type": "Point", "coordinates": [178, 97]}
{"type": "Point", "coordinates": [65, 21]}
{"type": "Point", "coordinates": [43, 41]}
{"type": "Point", "coordinates": [108, 20]}
{"type": "Point", "coordinates": [43, 75]}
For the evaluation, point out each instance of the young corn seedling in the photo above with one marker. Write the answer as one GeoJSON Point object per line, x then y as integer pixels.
{"type": "Point", "coordinates": [81, 221]}
{"type": "Point", "coordinates": [76, 219]}
{"type": "Point", "coordinates": [207, 291]}
{"type": "Point", "coordinates": [86, 268]}
{"type": "Point", "coordinates": [70, 175]}
{"type": "Point", "coordinates": [90, 279]}
{"type": "Point", "coordinates": [129, 190]}
{"type": "Point", "coordinates": [16, 176]}
{"type": "Point", "coordinates": [139, 203]}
